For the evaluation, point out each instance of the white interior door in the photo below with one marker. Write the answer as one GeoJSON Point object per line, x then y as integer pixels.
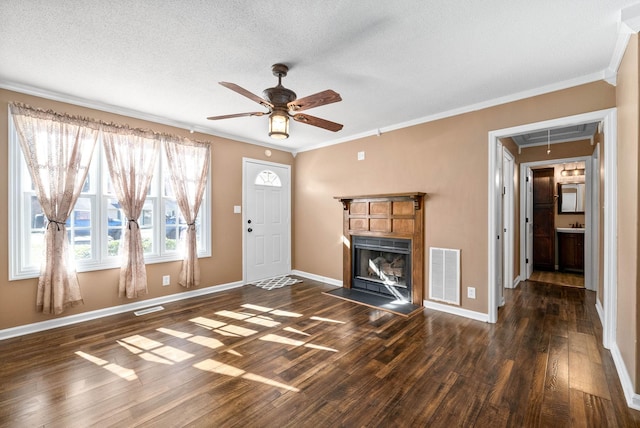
{"type": "Point", "coordinates": [529, 224]}
{"type": "Point", "coordinates": [499, 285]}
{"type": "Point", "coordinates": [266, 219]}
{"type": "Point", "coordinates": [507, 217]}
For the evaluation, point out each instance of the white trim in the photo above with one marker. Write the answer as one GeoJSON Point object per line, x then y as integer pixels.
{"type": "Point", "coordinates": [629, 24]}
{"type": "Point", "coordinates": [465, 109]}
{"type": "Point", "coordinates": [313, 276]}
{"type": "Point", "coordinates": [633, 399]}
{"type": "Point", "coordinates": [454, 310]}
{"type": "Point", "coordinates": [516, 281]}
{"type": "Point", "coordinates": [110, 108]}
{"type": "Point", "coordinates": [83, 102]}
{"type": "Point", "coordinates": [610, 294]}
{"type": "Point", "coordinates": [609, 119]}
{"type": "Point", "coordinates": [113, 310]}
{"type": "Point", "coordinates": [588, 234]}
{"type": "Point", "coordinates": [600, 310]}
{"type": "Point", "coordinates": [508, 221]}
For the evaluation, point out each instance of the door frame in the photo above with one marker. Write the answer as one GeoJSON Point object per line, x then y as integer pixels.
{"type": "Point", "coordinates": [527, 209]}
{"type": "Point", "coordinates": [608, 117]}
{"type": "Point", "coordinates": [266, 164]}
{"type": "Point", "coordinates": [508, 212]}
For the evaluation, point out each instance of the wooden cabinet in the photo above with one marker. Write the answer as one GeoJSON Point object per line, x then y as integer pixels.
{"type": "Point", "coordinates": [571, 252]}
{"type": "Point", "coordinates": [543, 220]}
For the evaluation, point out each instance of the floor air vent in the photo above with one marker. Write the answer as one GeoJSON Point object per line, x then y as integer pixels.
{"type": "Point", "coordinates": [148, 310]}
{"type": "Point", "coordinates": [444, 275]}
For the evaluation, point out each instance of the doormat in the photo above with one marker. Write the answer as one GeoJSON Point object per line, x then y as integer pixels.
{"type": "Point", "coordinates": [405, 309]}
{"type": "Point", "coordinates": [277, 282]}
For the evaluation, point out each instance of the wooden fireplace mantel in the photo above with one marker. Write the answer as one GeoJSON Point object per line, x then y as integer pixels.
{"type": "Point", "coordinates": [396, 215]}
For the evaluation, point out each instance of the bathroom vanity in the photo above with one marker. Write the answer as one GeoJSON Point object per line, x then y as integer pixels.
{"type": "Point", "coordinates": [570, 249]}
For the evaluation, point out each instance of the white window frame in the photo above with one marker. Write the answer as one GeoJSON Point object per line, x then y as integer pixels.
{"type": "Point", "coordinates": [19, 224]}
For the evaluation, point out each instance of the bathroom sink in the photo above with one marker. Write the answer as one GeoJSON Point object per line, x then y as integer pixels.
{"type": "Point", "coordinates": [570, 229]}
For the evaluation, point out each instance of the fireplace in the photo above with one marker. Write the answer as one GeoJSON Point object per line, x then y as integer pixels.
{"type": "Point", "coordinates": [383, 251]}
{"type": "Point", "coordinates": [382, 266]}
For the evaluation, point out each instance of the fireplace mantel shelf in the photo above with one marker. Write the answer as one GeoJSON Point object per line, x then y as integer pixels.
{"type": "Point", "coordinates": [417, 197]}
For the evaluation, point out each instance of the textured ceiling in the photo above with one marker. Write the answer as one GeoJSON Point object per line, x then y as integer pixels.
{"type": "Point", "coordinates": [393, 62]}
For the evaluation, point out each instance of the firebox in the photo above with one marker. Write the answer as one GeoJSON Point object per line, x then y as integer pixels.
{"type": "Point", "coordinates": [382, 266]}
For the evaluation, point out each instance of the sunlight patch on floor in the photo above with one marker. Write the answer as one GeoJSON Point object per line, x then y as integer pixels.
{"type": "Point", "coordinates": [142, 342]}
{"type": "Point", "coordinates": [124, 373]}
{"type": "Point", "coordinates": [271, 311]}
{"type": "Point", "coordinates": [207, 342]}
{"type": "Point", "coordinates": [288, 341]}
{"type": "Point", "coordinates": [293, 330]}
{"type": "Point", "coordinates": [207, 323]}
{"type": "Point", "coordinates": [227, 370]}
{"type": "Point", "coordinates": [326, 320]}
{"type": "Point", "coordinates": [174, 333]}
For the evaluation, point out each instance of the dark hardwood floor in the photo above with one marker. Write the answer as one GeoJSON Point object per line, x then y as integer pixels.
{"type": "Point", "coordinates": [569, 279]}
{"type": "Point", "coordinates": [294, 357]}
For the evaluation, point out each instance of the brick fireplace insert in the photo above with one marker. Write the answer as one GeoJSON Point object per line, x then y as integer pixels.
{"type": "Point", "coordinates": [395, 223]}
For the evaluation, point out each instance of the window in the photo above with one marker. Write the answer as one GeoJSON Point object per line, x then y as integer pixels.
{"type": "Point", "coordinates": [268, 178]}
{"type": "Point", "coordinates": [96, 225]}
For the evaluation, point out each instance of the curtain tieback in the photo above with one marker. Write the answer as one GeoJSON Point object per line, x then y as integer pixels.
{"type": "Point", "coordinates": [132, 220]}
{"type": "Point", "coordinates": [57, 223]}
{"type": "Point", "coordinates": [192, 226]}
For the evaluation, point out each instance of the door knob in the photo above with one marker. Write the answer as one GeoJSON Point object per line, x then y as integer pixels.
{"type": "Point", "coordinates": [249, 230]}
{"type": "Point", "coordinates": [249, 221]}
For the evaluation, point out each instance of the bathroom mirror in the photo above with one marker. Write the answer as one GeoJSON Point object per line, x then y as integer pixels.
{"type": "Point", "coordinates": [570, 198]}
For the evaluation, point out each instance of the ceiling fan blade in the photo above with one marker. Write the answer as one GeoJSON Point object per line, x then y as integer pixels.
{"type": "Point", "coordinates": [246, 93]}
{"type": "Point", "coordinates": [316, 100]}
{"type": "Point", "coordinates": [229, 116]}
{"type": "Point", "coordinates": [316, 121]}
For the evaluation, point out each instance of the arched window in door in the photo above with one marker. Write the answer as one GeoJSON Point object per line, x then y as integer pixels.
{"type": "Point", "coordinates": [268, 178]}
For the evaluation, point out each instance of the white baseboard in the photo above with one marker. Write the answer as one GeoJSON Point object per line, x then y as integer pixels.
{"type": "Point", "coordinates": [325, 279]}
{"type": "Point", "coordinates": [516, 281]}
{"type": "Point", "coordinates": [100, 313]}
{"type": "Point", "coordinates": [633, 399]}
{"type": "Point", "coordinates": [600, 311]}
{"type": "Point", "coordinates": [478, 316]}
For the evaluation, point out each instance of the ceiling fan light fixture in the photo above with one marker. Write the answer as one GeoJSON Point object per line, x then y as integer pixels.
{"type": "Point", "coordinates": [279, 125]}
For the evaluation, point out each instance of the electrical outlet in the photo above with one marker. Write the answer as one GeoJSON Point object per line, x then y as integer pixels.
{"type": "Point", "coordinates": [471, 292]}
{"type": "Point", "coordinates": [166, 280]}
{"type": "Point", "coordinates": [360, 155]}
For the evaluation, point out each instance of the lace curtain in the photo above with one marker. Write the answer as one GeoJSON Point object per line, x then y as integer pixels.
{"type": "Point", "coordinates": [188, 165]}
{"type": "Point", "coordinates": [131, 156]}
{"type": "Point", "coordinates": [58, 150]}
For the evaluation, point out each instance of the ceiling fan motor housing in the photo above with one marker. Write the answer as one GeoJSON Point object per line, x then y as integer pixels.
{"type": "Point", "coordinates": [279, 95]}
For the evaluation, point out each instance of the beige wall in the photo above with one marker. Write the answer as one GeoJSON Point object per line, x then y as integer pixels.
{"type": "Point", "coordinates": [100, 288]}
{"type": "Point", "coordinates": [627, 93]}
{"type": "Point", "coordinates": [448, 159]}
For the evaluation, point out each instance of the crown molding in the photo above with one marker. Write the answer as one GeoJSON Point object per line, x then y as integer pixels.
{"type": "Point", "coordinates": [467, 109]}
{"type": "Point", "coordinates": [110, 108]}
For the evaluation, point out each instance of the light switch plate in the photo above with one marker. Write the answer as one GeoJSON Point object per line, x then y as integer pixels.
{"type": "Point", "coordinates": [237, 209]}
{"type": "Point", "coordinates": [360, 155]}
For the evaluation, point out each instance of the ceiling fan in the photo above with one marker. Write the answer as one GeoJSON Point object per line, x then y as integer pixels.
{"type": "Point", "coordinates": [282, 104]}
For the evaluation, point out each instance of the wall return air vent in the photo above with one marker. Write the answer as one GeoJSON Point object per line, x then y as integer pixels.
{"type": "Point", "coordinates": [444, 275]}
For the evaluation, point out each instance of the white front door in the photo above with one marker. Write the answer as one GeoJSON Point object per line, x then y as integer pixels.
{"type": "Point", "coordinates": [266, 219]}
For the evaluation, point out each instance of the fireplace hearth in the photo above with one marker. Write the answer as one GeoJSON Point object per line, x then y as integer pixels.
{"type": "Point", "coordinates": [383, 252]}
